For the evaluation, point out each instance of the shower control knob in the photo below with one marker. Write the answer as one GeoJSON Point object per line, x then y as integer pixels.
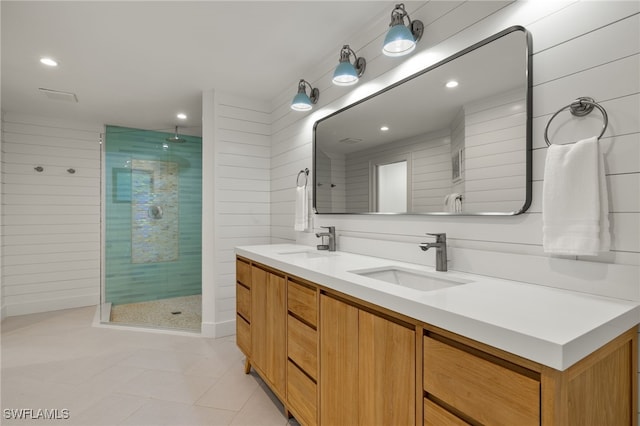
{"type": "Point", "coordinates": [155, 212]}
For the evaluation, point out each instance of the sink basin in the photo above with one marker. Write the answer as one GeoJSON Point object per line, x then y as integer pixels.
{"type": "Point", "coordinates": [417, 280]}
{"type": "Point", "coordinates": [308, 254]}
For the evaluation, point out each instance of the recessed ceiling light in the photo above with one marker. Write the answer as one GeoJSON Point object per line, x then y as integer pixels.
{"type": "Point", "coordinates": [182, 116]}
{"type": "Point", "coordinates": [451, 84]}
{"type": "Point", "coordinates": [384, 128]}
{"type": "Point", "coordinates": [49, 62]}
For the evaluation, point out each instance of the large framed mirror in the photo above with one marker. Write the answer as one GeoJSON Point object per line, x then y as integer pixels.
{"type": "Point", "coordinates": [452, 139]}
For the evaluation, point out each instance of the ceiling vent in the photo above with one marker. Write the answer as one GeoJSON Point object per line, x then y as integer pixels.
{"type": "Point", "coordinates": [57, 95]}
{"type": "Point", "coordinates": [350, 140]}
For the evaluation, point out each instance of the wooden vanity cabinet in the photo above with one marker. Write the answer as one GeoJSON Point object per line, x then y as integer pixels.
{"type": "Point", "coordinates": [367, 366]}
{"type": "Point", "coordinates": [335, 360]}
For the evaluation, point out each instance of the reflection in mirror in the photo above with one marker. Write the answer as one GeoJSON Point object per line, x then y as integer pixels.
{"type": "Point", "coordinates": [391, 187]}
{"type": "Point", "coordinates": [454, 138]}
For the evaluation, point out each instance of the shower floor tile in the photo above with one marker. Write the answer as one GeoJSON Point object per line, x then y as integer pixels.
{"type": "Point", "coordinates": [184, 313]}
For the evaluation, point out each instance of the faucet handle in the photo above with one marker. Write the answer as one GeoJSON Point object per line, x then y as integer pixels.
{"type": "Point", "coordinates": [332, 229]}
{"type": "Point", "coordinates": [440, 237]}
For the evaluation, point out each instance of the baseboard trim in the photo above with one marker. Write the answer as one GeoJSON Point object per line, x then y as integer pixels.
{"type": "Point", "coordinates": [218, 329]}
{"type": "Point", "coordinates": [11, 310]}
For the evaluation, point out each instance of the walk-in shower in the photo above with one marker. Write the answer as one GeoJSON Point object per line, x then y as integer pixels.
{"type": "Point", "coordinates": [152, 228]}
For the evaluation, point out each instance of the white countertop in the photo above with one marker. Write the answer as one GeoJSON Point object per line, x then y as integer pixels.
{"type": "Point", "coordinates": [553, 327]}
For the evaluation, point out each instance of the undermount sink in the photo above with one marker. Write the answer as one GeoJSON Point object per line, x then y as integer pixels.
{"type": "Point", "coordinates": [308, 254]}
{"type": "Point", "coordinates": [417, 280]}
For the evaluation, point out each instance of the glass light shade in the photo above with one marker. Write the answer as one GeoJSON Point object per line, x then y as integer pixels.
{"type": "Point", "coordinates": [345, 74]}
{"type": "Point", "coordinates": [399, 41]}
{"type": "Point", "coordinates": [301, 102]}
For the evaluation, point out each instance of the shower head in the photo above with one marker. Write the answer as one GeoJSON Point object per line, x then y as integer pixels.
{"type": "Point", "coordinates": [175, 138]}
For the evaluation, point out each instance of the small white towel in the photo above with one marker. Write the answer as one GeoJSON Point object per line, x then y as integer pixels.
{"type": "Point", "coordinates": [453, 203]}
{"type": "Point", "coordinates": [457, 203]}
{"type": "Point", "coordinates": [575, 204]}
{"type": "Point", "coordinates": [302, 210]}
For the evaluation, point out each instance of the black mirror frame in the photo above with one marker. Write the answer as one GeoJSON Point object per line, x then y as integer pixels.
{"type": "Point", "coordinates": [529, 137]}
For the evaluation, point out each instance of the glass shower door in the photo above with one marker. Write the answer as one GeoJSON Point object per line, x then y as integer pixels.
{"type": "Point", "coordinates": [152, 232]}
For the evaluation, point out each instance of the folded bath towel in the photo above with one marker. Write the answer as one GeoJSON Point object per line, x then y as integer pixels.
{"type": "Point", "coordinates": [575, 206]}
{"type": "Point", "coordinates": [302, 210]}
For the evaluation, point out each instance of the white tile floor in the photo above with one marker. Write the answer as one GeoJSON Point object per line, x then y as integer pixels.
{"type": "Point", "coordinates": [106, 376]}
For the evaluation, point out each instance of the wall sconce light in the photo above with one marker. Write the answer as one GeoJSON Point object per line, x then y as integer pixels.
{"type": "Point", "coordinates": [302, 101]}
{"type": "Point", "coordinates": [347, 73]}
{"type": "Point", "coordinates": [401, 39]}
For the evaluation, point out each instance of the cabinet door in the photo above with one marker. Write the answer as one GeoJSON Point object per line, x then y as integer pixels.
{"type": "Point", "coordinates": [268, 326]}
{"type": "Point", "coordinates": [387, 371]}
{"type": "Point", "coordinates": [367, 374]}
{"type": "Point", "coordinates": [338, 362]}
{"type": "Point", "coordinates": [259, 279]}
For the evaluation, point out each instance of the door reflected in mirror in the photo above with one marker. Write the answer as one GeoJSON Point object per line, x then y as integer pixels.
{"type": "Point", "coordinates": [391, 187]}
{"type": "Point", "coordinates": [419, 144]}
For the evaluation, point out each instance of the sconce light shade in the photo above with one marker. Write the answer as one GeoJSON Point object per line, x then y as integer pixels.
{"type": "Point", "coordinates": [347, 73]}
{"type": "Point", "coordinates": [303, 102]}
{"type": "Point", "coordinates": [401, 39]}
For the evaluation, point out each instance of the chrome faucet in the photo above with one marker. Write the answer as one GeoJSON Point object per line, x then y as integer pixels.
{"type": "Point", "coordinates": [331, 234]}
{"type": "Point", "coordinates": [441, 250]}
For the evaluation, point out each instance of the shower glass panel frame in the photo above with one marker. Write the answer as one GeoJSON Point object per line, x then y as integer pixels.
{"type": "Point", "coordinates": [152, 218]}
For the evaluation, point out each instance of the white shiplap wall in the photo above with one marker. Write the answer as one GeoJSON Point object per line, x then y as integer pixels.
{"type": "Point", "coordinates": [240, 172]}
{"type": "Point", "coordinates": [50, 219]}
{"type": "Point", "coordinates": [580, 48]}
{"type": "Point", "coordinates": [495, 147]}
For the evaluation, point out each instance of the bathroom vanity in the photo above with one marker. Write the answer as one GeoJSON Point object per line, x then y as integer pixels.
{"type": "Point", "coordinates": [342, 338]}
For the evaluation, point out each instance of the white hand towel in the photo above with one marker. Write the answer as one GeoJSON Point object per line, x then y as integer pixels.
{"type": "Point", "coordinates": [453, 203]}
{"type": "Point", "coordinates": [575, 205]}
{"type": "Point", "coordinates": [302, 211]}
{"type": "Point", "coordinates": [457, 204]}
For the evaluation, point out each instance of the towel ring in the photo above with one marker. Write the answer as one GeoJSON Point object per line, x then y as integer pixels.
{"type": "Point", "coordinates": [579, 108]}
{"type": "Point", "coordinates": [304, 172]}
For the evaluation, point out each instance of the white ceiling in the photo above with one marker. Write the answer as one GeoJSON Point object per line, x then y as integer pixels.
{"type": "Point", "coordinates": [139, 63]}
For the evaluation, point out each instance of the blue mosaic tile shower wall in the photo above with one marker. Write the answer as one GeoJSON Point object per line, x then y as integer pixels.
{"type": "Point", "coordinates": [153, 208]}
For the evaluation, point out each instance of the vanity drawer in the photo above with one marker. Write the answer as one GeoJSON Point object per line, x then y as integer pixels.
{"type": "Point", "coordinates": [302, 301]}
{"type": "Point", "coordinates": [302, 395]}
{"type": "Point", "coordinates": [481, 389]}
{"type": "Point", "coordinates": [243, 272]}
{"type": "Point", "coordinates": [302, 346]}
{"type": "Point", "coordinates": [243, 335]}
{"type": "Point", "coordinates": [243, 301]}
{"type": "Point", "coordinates": [434, 415]}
